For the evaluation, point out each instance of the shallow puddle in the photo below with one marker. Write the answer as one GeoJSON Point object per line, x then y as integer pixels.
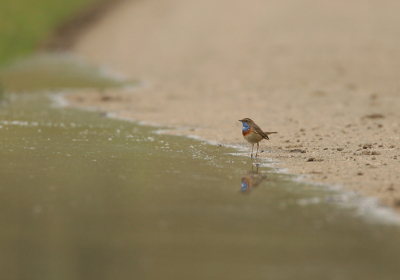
{"type": "Point", "coordinates": [86, 197]}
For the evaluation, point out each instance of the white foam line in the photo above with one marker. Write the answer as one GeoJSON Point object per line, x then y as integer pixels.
{"type": "Point", "coordinates": [58, 100]}
{"type": "Point", "coordinates": [366, 207]}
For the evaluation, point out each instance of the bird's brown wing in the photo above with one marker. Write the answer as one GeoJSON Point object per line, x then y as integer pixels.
{"type": "Point", "coordinates": [258, 130]}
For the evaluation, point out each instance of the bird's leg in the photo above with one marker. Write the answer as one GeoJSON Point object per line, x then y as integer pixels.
{"type": "Point", "coordinates": [252, 147]}
{"type": "Point", "coordinates": [257, 149]}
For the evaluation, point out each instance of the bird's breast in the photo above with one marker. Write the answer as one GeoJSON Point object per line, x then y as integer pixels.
{"type": "Point", "coordinates": [246, 132]}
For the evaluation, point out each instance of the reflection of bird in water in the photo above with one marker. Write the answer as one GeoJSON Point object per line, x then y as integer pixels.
{"type": "Point", "coordinates": [251, 180]}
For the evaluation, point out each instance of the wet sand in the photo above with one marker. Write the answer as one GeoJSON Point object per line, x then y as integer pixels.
{"type": "Point", "coordinates": [324, 75]}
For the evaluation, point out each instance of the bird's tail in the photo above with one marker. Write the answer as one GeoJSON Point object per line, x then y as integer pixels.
{"type": "Point", "coordinates": [268, 133]}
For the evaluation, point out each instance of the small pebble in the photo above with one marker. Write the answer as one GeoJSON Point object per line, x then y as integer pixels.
{"type": "Point", "coordinates": [340, 149]}
{"type": "Point", "coordinates": [360, 173]}
{"type": "Point", "coordinates": [297, 151]}
{"type": "Point", "coordinates": [396, 202]}
{"type": "Point", "coordinates": [375, 116]}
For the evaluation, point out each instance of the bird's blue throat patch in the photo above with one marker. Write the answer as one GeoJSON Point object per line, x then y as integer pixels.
{"type": "Point", "coordinates": [245, 127]}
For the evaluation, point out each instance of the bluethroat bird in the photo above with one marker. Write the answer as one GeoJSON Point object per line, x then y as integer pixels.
{"type": "Point", "coordinates": [253, 133]}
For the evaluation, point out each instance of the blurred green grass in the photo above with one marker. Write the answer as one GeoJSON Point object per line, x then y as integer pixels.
{"type": "Point", "coordinates": [25, 23]}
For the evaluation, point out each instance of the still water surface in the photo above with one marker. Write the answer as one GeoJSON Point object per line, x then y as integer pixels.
{"type": "Point", "coordinates": [86, 197]}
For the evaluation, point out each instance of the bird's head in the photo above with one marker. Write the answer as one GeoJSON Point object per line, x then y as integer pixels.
{"type": "Point", "coordinates": [247, 121]}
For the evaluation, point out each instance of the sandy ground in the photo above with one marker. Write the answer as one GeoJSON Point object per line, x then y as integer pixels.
{"type": "Point", "coordinates": [324, 74]}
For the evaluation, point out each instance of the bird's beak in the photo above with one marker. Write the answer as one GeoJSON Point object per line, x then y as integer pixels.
{"type": "Point", "coordinates": [240, 120]}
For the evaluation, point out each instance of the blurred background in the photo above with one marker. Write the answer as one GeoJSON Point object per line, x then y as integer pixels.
{"type": "Point", "coordinates": [88, 197]}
